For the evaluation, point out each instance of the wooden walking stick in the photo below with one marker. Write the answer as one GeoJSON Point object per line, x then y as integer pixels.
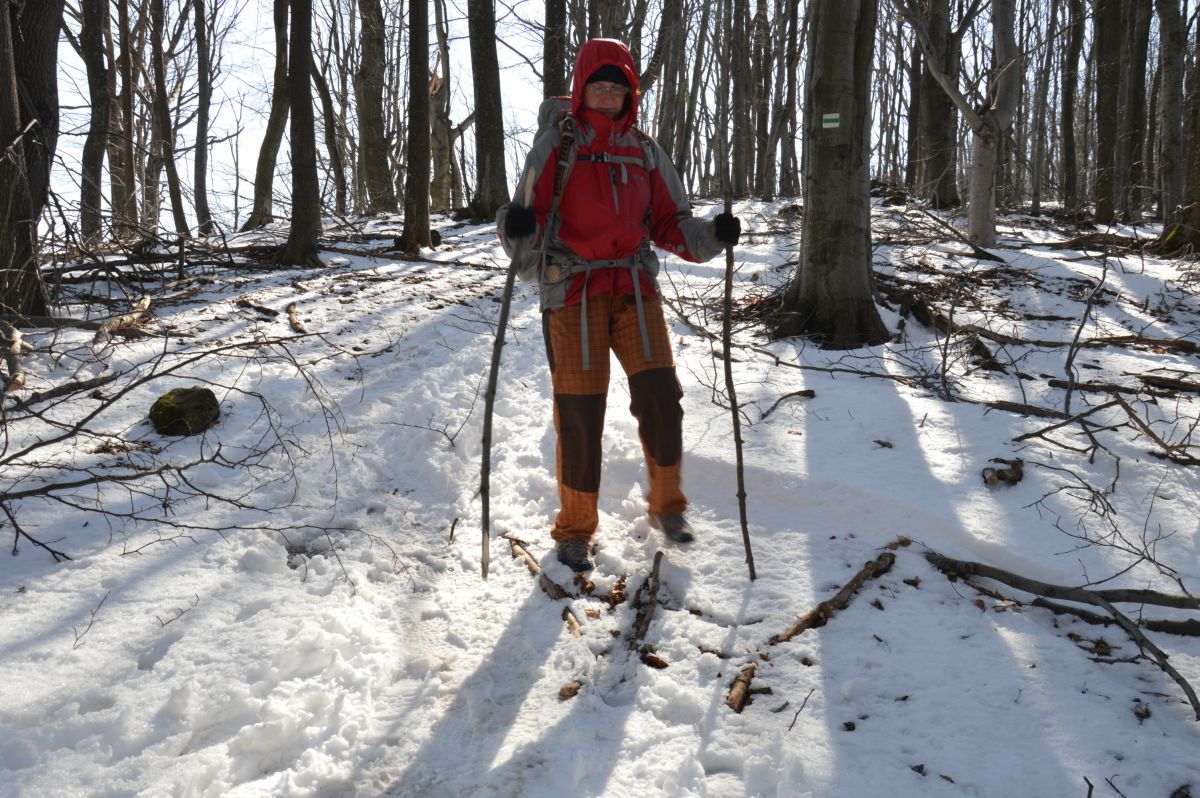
{"type": "Point", "coordinates": [489, 397]}
{"type": "Point", "coordinates": [726, 323]}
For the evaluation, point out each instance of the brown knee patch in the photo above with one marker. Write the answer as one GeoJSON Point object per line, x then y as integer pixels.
{"type": "Point", "coordinates": [654, 402]}
{"type": "Point", "coordinates": [580, 425]}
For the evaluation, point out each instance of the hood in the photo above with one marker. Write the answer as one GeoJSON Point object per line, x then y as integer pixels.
{"type": "Point", "coordinates": [594, 54]}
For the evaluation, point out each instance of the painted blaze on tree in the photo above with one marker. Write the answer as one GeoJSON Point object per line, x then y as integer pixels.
{"type": "Point", "coordinates": [831, 295]}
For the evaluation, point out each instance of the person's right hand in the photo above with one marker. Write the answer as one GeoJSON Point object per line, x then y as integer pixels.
{"type": "Point", "coordinates": [520, 222]}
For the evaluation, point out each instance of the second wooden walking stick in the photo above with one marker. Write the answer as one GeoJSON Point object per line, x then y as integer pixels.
{"type": "Point", "coordinates": [489, 397]}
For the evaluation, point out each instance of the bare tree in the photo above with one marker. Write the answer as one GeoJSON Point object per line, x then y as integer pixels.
{"type": "Point", "coordinates": [164, 131]}
{"type": "Point", "coordinates": [301, 246]}
{"type": "Point", "coordinates": [1107, 53]}
{"type": "Point", "coordinates": [204, 221]}
{"type": "Point", "coordinates": [491, 183]}
{"type": "Point", "coordinates": [990, 124]}
{"type": "Point", "coordinates": [1070, 80]}
{"type": "Point", "coordinates": [1173, 44]}
{"type": "Point", "coordinates": [554, 50]}
{"type": "Point", "coordinates": [831, 295]}
{"type": "Point", "coordinates": [1131, 127]}
{"type": "Point", "coordinates": [29, 132]}
{"type": "Point", "coordinates": [368, 91]}
{"type": "Point", "coordinates": [1040, 110]}
{"type": "Point", "coordinates": [91, 40]}
{"type": "Point", "coordinates": [416, 181]}
{"type": "Point", "coordinates": [264, 173]}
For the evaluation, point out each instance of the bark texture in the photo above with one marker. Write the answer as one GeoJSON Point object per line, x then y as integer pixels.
{"type": "Point", "coordinates": [831, 295]}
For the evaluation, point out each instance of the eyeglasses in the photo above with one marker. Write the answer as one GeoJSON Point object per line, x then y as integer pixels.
{"type": "Point", "coordinates": [610, 89]}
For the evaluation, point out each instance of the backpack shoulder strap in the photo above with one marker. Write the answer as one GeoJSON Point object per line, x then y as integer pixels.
{"type": "Point", "coordinates": [647, 149]}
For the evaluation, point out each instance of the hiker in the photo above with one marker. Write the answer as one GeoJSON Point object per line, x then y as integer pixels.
{"type": "Point", "coordinates": [594, 193]}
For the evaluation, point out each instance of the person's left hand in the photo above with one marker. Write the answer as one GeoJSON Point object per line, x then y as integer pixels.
{"type": "Point", "coordinates": [728, 229]}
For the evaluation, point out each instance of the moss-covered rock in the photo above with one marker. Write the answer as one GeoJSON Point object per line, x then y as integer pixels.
{"type": "Point", "coordinates": [184, 411]}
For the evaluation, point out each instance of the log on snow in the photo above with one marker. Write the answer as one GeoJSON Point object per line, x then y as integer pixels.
{"type": "Point", "coordinates": [820, 615]}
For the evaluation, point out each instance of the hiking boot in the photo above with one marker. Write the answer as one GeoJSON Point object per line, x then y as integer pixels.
{"type": "Point", "coordinates": [674, 526]}
{"type": "Point", "coordinates": [574, 555]}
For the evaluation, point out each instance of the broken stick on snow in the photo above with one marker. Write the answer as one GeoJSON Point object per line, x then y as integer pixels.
{"type": "Point", "coordinates": [819, 615]}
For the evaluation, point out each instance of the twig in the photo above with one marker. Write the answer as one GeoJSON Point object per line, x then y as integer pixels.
{"type": "Point", "coordinates": [802, 706]}
{"type": "Point", "coordinates": [91, 620]}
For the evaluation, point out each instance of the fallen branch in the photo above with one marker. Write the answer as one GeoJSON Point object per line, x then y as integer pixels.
{"type": "Point", "coordinates": [124, 321]}
{"type": "Point", "coordinates": [645, 601]}
{"type": "Point", "coordinates": [976, 250]}
{"type": "Point", "coordinates": [1190, 627]}
{"type": "Point", "coordinates": [739, 691]}
{"type": "Point", "coordinates": [519, 552]}
{"type": "Point", "coordinates": [11, 348]}
{"type": "Point", "coordinates": [1175, 453]}
{"type": "Point", "coordinates": [1102, 599]}
{"type": "Point", "coordinates": [65, 389]}
{"type": "Point", "coordinates": [293, 315]}
{"type": "Point", "coordinates": [820, 615]}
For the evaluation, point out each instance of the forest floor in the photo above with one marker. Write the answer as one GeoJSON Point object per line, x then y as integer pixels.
{"type": "Point", "coordinates": [291, 603]}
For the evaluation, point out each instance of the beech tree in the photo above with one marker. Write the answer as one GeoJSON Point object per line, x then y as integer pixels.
{"type": "Point", "coordinates": [1107, 46]}
{"type": "Point", "coordinates": [368, 91]}
{"type": "Point", "coordinates": [91, 40]}
{"type": "Point", "coordinates": [29, 132]}
{"type": "Point", "coordinates": [831, 294]}
{"type": "Point", "coordinates": [989, 124]}
{"type": "Point", "coordinates": [301, 246]}
{"type": "Point", "coordinates": [491, 182]}
{"type": "Point", "coordinates": [264, 173]}
{"type": "Point", "coordinates": [1171, 165]}
{"type": "Point", "coordinates": [416, 181]}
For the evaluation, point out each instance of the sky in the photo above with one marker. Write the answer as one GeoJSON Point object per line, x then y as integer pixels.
{"type": "Point", "coordinates": [317, 625]}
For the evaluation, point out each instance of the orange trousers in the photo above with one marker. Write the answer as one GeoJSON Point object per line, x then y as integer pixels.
{"type": "Point", "coordinates": [580, 399]}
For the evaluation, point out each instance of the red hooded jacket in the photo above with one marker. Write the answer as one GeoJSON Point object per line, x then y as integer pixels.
{"type": "Point", "coordinates": [608, 209]}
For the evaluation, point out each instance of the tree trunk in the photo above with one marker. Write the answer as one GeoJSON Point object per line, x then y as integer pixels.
{"type": "Point", "coordinates": [1039, 114]}
{"type": "Point", "coordinates": [264, 173]}
{"type": "Point", "coordinates": [686, 132]}
{"type": "Point", "coordinates": [368, 91]}
{"type": "Point", "coordinates": [742, 93]}
{"type": "Point", "coordinates": [1171, 164]}
{"type": "Point", "coordinates": [831, 295]}
{"type": "Point", "coordinates": [1184, 236]}
{"type": "Point", "coordinates": [204, 222]}
{"type": "Point", "coordinates": [913, 136]}
{"type": "Point", "coordinates": [490, 174]}
{"type": "Point", "coordinates": [1004, 86]}
{"type": "Point", "coordinates": [937, 174]}
{"type": "Point", "coordinates": [760, 73]}
{"type": "Point", "coordinates": [1107, 53]}
{"type": "Point", "coordinates": [441, 135]}
{"type": "Point", "coordinates": [165, 130]}
{"type": "Point", "coordinates": [1132, 115]}
{"type": "Point", "coordinates": [1070, 81]}
{"type": "Point", "coordinates": [416, 180]}
{"type": "Point", "coordinates": [301, 246]}
{"type": "Point", "coordinates": [29, 120]}
{"type": "Point", "coordinates": [95, 20]}
{"type": "Point", "coordinates": [334, 141]}
{"type": "Point", "coordinates": [554, 52]}
{"type": "Point", "coordinates": [788, 161]}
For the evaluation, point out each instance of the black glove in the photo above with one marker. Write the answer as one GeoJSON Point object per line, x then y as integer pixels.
{"type": "Point", "coordinates": [520, 222]}
{"type": "Point", "coordinates": [728, 229]}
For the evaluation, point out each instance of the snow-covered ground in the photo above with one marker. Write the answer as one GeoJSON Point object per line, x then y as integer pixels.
{"type": "Point", "coordinates": [335, 638]}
